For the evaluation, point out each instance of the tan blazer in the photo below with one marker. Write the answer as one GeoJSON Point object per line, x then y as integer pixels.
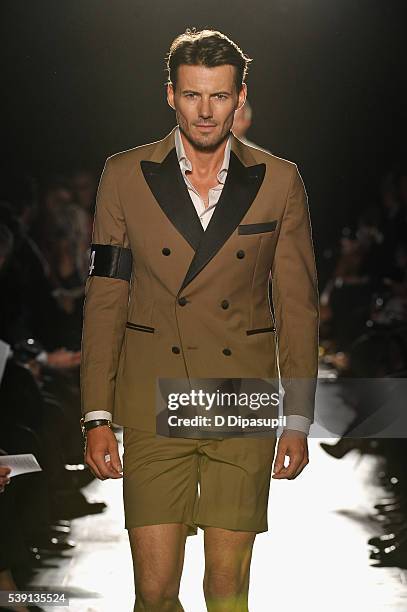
{"type": "Point", "coordinates": [196, 305]}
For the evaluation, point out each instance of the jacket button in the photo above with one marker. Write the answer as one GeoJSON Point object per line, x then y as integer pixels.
{"type": "Point", "coordinates": [166, 251]}
{"type": "Point", "coordinates": [175, 349]}
{"type": "Point", "coordinates": [182, 301]}
{"type": "Point", "coordinates": [227, 351]}
{"type": "Point", "coordinates": [224, 304]}
{"type": "Point", "coordinates": [240, 254]}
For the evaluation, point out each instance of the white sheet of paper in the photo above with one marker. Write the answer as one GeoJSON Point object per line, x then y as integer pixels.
{"type": "Point", "coordinates": [4, 353]}
{"type": "Point", "coordinates": [20, 464]}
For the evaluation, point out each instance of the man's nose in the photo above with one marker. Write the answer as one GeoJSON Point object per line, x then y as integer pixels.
{"type": "Point", "coordinates": [205, 109]}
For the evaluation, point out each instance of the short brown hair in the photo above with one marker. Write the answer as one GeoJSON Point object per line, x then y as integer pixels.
{"type": "Point", "coordinates": [207, 48]}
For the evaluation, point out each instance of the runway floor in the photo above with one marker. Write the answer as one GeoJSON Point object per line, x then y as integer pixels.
{"type": "Point", "coordinates": [314, 556]}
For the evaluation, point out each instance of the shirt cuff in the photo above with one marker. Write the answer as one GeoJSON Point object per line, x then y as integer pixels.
{"type": "Point", "coordinates": [298, 422]}
{"type": "Point", "coordinates": [97, 414]}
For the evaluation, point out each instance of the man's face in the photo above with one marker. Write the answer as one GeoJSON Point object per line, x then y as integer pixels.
{"type": "Point", "coordinates": [205, 101]}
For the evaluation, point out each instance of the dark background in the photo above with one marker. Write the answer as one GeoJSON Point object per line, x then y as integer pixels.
{"type": "Point", "coordinates": [83, 79]}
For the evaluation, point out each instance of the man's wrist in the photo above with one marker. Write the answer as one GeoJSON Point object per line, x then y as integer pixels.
{"type": "Point", "coordinates": [298, 422]}
{"type": "Point", "coordinates": [93, 423]}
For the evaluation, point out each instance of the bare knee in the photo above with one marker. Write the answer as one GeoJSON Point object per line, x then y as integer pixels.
{"type": "Point", "coordinates": [158, 553]}
{"type": "Point", "coordinates": [227, 567]}
{"type": "Point", "coordinates": [226, 587]}
{"type": "Point", "coordinates": [155, 596]}
{"type": "Point", "coordinates": [225, 583]}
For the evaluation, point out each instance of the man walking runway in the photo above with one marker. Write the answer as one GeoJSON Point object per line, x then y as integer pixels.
{"type": "Point", "coordinates": [187, 231]}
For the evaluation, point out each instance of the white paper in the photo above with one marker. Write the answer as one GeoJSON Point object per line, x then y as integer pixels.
{"type": "Point", "coordinates": [4, 353]}
{"type": "Point", "coordinates": [20, 464]}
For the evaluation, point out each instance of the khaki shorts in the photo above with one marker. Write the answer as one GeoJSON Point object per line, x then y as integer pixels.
{"type": "Point", "coordinates": [161, 477]}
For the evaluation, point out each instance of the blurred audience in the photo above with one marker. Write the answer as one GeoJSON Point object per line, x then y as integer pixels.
{"type": "Point", "coordinates": [241, 124]}
{"type": "Point", "coordinates": [44, 243]}
{"type": "Point", "coordinates": [364, 339]}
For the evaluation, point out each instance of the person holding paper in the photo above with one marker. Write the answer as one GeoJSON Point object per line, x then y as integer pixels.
{"type": "Point", "coordinates": [4, 477]}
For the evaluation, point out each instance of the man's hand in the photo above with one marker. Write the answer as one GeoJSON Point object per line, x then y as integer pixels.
{"type": "Point", "coordinates": [101, 441]}
{"type": "Point", "coordinates": [63, 359]}
{"type": "Point", "coordinates": [4, 477]}
{"type": "Point", "coordinates": [294, 444]}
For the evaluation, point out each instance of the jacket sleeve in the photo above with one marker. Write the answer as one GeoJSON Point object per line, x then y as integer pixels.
{"type": "Point", "coordinates": [295, 301]}
{"type": "Point", "coordinates": [106, 302]}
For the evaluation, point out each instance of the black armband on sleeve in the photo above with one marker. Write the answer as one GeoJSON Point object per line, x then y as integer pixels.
{"type": "Point", "coordinates": [111, 261]}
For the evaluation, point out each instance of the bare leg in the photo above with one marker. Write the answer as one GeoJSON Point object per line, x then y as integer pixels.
{"type": "Point", "coordinates": [158, 559]}
{"type": "Point", "coordinates": [227, 569]}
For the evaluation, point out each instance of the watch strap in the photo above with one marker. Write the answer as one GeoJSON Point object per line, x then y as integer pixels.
{"type": "Point", "coordinates": [86, 425]}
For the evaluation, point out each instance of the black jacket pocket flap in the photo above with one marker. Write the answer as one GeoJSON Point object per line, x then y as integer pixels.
{"type": "Point", "coordinates": [257, 228]}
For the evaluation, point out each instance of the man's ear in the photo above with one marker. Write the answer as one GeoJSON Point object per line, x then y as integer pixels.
{"type": "Point", "coordinates": [170, 95]}
{"type": "Point", "coordinates": [242, 96]}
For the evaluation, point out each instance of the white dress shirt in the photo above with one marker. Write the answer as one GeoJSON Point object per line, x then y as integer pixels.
{"type": "Point", "coordinates": [297, 422]}
{"type": "Point", "coordinates": [203, 213]}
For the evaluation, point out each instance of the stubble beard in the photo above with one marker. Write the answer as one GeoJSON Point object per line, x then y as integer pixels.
{"type": "Point", "coordinates": [197, 144]}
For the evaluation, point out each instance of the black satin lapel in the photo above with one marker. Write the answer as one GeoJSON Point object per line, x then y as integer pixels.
{"type": "Point", "coordinates": [238, 193]}
{"type": "Point", "coordinates": [166, 182]}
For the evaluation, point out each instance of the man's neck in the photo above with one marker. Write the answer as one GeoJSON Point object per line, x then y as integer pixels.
{"type": "Point", "coordinates": [204, 163]}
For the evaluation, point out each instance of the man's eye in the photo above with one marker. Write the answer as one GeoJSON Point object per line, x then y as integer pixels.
{"type": "Point", "coordinates": [221, 97]}
{"type": "Point", "coordinates": [190, 95]}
